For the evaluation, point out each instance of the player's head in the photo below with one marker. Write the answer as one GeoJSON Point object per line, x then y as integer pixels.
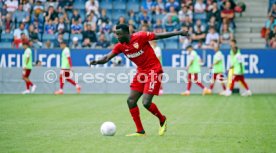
{"type": "Point", "coordinates": [122, 32]}
{"type": "Point", "coordinates": [233, 43]}
{"type": "Point", "coordinates": [26, 44]}
{"type": "Point", "coordinates": [189, 48]}
{"type": "Point", "coordinates": [62, 44]}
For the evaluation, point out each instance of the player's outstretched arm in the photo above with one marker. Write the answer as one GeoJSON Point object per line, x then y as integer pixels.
{"type": "Point", "coordinates": [170, 34]}
{"type": "Point", "coordinates": [104, 60]}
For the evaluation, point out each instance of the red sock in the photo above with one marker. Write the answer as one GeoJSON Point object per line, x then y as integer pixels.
{"type": "Point", "coordinates": [223, 86]}
{"type": "Point", "coordinates": [212, 86]}
{"type": "Point", "coordinates": [136, 118]}
{"type": "Point", "coordinates": [72, 82]}
{"type": "Point", "coordinates": [27, 85]}
{"type": "Point", "coordinates": [61, 83]}
{"type": "Point", "coordinates": [30, 83]}
{"type": "Point", "coordinates": [200, 85]}
{"type": "Point", "coordinates": [155, 111]}
{"type": "Point", "coordinates": [244, 84]}
{"type": "Point", "coordinates": [189, 85]}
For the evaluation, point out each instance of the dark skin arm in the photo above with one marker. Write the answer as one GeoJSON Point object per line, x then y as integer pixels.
{"type": "Point", "coordinates": [170, 34]}
{"type": "Point", "coordinates": [104, 60]}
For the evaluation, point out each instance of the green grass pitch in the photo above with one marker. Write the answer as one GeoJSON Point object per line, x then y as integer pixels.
{"type": "Point", "coordinates": [196, 124]}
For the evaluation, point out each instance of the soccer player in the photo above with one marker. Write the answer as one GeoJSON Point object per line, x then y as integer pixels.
{"type": "Point", "coordinates": [218, 68]}
{"type": "Point", "coordinates": [66, 69]}
{"type": "Point", "coordinates": [193, 70]}
{"type": "Point", "coordinates": [27, 68]}
{"type": "Point", "coordinates": [238, 66]}
{"type": "Point", "coordinates": [147, 81]}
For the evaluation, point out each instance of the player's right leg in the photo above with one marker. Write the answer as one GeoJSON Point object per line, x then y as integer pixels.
{"type": "Point", "coordinates": [68, 74]}
{"type": "Point", "coordinates": [25, 77]}
{"type": "Point", "coordinates": [189, 85]}
{"type": "Point", "coordinates": [135, 113]}
{"type": "Point", "coordinates": [61, 83]}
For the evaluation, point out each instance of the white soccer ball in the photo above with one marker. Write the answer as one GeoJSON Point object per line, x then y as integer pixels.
{"type": "Point", "coordinates": [108, 129]}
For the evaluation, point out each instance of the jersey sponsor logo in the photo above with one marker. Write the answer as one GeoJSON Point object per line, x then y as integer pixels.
{"type": "Point", "coordinates": [136, 45]}
{"type": "Point", "coordinates": [134, 55]}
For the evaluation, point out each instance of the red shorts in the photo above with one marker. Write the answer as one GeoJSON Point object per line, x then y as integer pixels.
{"type": "Point", "coordinates": [26, 72]}
{"type": "Point", "coordinates": [218, 76]}
{"type": "Point", "coordinates": [65, 73]}
{"type": "Point", "coordinates": [147, 83]}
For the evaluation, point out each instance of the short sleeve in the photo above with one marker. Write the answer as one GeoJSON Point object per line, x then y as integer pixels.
{"type": "Point", "coordinates": [117, 49]}
{"type": "Point", "coordinates": [148, 36]}
{"type": "Point", "coordinates": [67, 52]}
{"type": "Point", "coordinates": [239, 58]}
{"type": "Point", "coordinates": [28, 52]}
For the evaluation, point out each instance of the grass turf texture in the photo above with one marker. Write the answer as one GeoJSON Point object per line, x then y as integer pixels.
{"type": "Point", "coordinates": [196, 124]}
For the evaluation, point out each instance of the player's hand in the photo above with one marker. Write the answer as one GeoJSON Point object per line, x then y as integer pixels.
{"type": "Point", "coordinates": [184, 33]}
{"type": "Point", "coordinates": [94, 62]}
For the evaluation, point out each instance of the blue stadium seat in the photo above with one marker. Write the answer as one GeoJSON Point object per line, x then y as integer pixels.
{"type": "Point", "coordinates": [82, 13]}
{"type": "Point", "coordinates": [79, 5]}
{"type": "Point", "coordinates": [201, 16]}
{"type": "Point", "coordinates": [161, 44]}
{"type": "Point", "coordinates": [66, 36]}
{"type": "Point", "coordinates": [46, 37]}
{"type": "Point", "coordinates": [5, 45]}
{"type": "Point", "coordinates": [119, 5]}
{"type": "Point", "coordinates": [133, 6]}
{"type": "Point", "coordinates": [172, 43]}
{"type": "Point", "coordinates": [116, 14]}
{"type": "Point", "coordinates": [6, 37]}
{"type": "Point", "coordinates": [79, 36]}
{"type": "Point", "coordinates": [106, 5]}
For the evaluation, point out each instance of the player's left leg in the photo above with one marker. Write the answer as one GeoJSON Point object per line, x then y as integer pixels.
{"type": "Point", "coordinates": [198, 82]}
{"type": "Point", "coordinates": [247, 92]}
{"type": "Point", "coordinates": [68, 74]}
{"type": "Point", "coordinates": [25, 77]}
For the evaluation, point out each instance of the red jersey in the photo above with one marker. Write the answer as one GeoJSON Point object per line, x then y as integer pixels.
{"type": "Point", "coordinates": [139, 51]}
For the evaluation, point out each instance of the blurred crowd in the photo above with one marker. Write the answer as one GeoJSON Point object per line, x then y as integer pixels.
{"type": "Point", "coordinates": [269, 31]}
{"type": "Point", "coordinates": [91, 23]}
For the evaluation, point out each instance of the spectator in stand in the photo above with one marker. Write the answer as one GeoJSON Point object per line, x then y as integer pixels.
{"type": "Point", "coordinates": [20, 15]}
{"type": "Point", "coordinates": [170, 25]}
{"type": "Point", "coordinates": [132, 28]}
{"type": "Point", "coordinates": [91, 19]}
{"type": "Point", "coordinates": [92, 6]}
{"type": "Point", "coordinates": [199, 7]}
{"type": "Point", "coordinates": [148, 5]}
{"type": "Point", "coordinates": [269, 25]}
{"type": "Point", "coordinates": [102, 43]}
{"type": "Point", "coordinates": [50, 27]}
{"type": "Point", "coordinates": [58, 40]}
{"type": "Point", "coordinates": [12, 5]}
{"type": "Point", "coordinates": [75, 43]}
{"type": "Point", "coordinates": [272, 11]}
{"type": "Point", "coordinates": [4, 12]}
{"type": "Point", "coordinates": [66, 4]}
{"type": "Point", "coordinates": [187, 2]}
{"type": "Point", "coordinates": [214, 11]}
{"type": "Point", "coordinates": [90, 34]}
{"type": "Point", "coordinates": [184, 12]}
{"type": "Point", "coordinates": [62, 26]}
{"type": "Point", "coordinates": [160, 6]}
{"type": "Point", "coordinates": [122, 20]}
{"type": "Point", "coordinates": [225, 37]}
{"type": "Point", "coordinates": [212, 23]}
{"type": "Point", "coordinates": [33, 35]}
{"type": "Point", "coordinates": [76, 27]}
{"type": "Point", "coordinates": [48, 45]}
{"type": "Point", "coordinates": [144, 18]}
{"type": "Point", "coordinates": [200, 26]}
{"type": "Point", "coordinates": [103, 18]}
{"type": "Point", "coordinates": [173, 14]}
{"type": "Point", "coordinates": [17, 35]}
{"type": "Point", "coordinates": [76, 16]}
{"type": "Point", "coordinates": [184, 40]}
{"type": "Point", "coordinates": [144, 28]}
{"type": "Point", "coordinates": [273, 42]}
{"type": "Point", "coordinates": [132, 16]}
{"type": "Point", "coordinates": [198, 35]}
{"type": "Point", "coordinates": [8, 24]}
{"type": "Point", "coordinates": [173, 3]}
{"type": "Point", "coordinates": [26, 6]}
{"type": "Point", "coordinates": [87, 44]}
{"type": "Point", "coordinates": [199, 45]}
{"type": "Point", "coordinates": [158, 27]}
{"type": "Point", "coordinates": [51, 14]}
{"type": "Point", "coordinates": [52, 3]}
{"type": "Point", "coordinates": [272, 33]}
{"type": "Point", "coordinates": [187, 23]}
{"type": "Point", "coordinates": [212, 35]}
{"type": "Point", "coordinates": [38, 8]}
{"type": "Point", "coordinates": [228, 14]}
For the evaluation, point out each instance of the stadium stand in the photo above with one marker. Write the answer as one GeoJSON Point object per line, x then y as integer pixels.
{"type": "Point", "coordinates": [50, 18]}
